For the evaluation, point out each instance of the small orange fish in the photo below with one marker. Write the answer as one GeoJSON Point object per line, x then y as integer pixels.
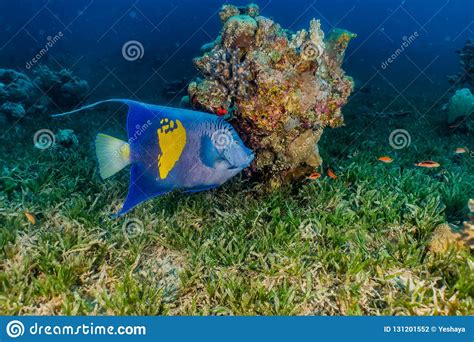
{"type": "Point", "coordinates": [30, 217]}
{"type": "Point", "coordinates": [386, 159]}
{"type": "Point", "coordinates": [331, 174]}
{"type": "Point", "coordinates": [460, 150]}
{"type": "Point", "coordinates": [428, 164]}
{"type": "Point", "coordinates": [314, 176]}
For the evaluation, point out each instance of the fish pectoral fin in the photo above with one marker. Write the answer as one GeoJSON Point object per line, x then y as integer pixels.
{"type": "Point", "coordinates": [210, 156]}
{"type": "Point", "coordinates": [112, 154]}
{"type": "Point", "coordinates": [141, 188]}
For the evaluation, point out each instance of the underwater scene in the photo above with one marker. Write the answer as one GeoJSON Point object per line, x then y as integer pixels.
{"type": "Point", "coordinates": [180, 157]}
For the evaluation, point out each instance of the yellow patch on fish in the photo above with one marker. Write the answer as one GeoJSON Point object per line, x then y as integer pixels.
{"type": "Point", "coordinates": [172, 140]}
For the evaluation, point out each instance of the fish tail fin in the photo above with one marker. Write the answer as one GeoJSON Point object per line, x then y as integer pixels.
{"type": "Point", "coordinates": [113, 154]}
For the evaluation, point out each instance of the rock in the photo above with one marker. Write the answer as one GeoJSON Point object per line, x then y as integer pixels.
{"type": "Point", "coordinates": [17, 92]}
{"type": "Point", "coordinates": [16, 87]}
{"type": "Point", "coordinates": [185, 102]}
{"type": "Point", "coordinates": [66, 139]}
{"type": "Point", "coordinates": [239, 31]}
{"type": "Point", "coordinates": [64, 88]}
{"type": "Point", "coordinates": [459, 107]}
{"type": "Point", "coordinates": [304, 149]}
{"type": "Point", "coordinates": [253, 10]}
{"type": "Point", "coordinates": [283, 87]}
{"type": "Point", "coordinates": [207, 47]}
{"type": "Point", "coordinates": [444, 236]}
{"type": "Point", "coordinates": [12, 110]}
{"type": "Point", "coordinates": [443, 239]}
{"type": "Point", "coordinates": [228, 11]}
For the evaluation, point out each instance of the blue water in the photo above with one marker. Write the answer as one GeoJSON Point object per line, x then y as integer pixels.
{"type": "Point", "coordinates": [172, 31]}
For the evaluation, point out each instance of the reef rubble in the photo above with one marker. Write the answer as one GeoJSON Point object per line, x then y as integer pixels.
{"type": "Point", "coordinates": [17, 94]}
{"type": "Point", "coordinates": [25, 97]}
{"type": "Point", "coordinates": [66, 139]}
{"type": "Point", "coordinates": [62, 88]}
{"type": "Point", "coordinates": [446, 236]}
{"type": "Point", "coordinates": [279, 89]}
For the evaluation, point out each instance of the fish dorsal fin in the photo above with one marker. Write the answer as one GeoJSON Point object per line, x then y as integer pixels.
{"type": "Point", "coordinates": [139, 114]}
{"type": "Point", "coordinates": [92, 105]}
{"type": "Point", "coordinates": [140, 117]}
{"type": "Point", "coordinates": [141, 188]}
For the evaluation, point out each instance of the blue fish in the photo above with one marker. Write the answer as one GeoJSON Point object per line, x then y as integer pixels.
{"type": "Point", "coordinates": [170, 149]}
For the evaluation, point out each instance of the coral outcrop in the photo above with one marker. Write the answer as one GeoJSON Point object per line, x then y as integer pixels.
{"type": "Point", "coordinates": [63, 88]}
{"type": "Point", "coordinates": [66, 139]}
{"type": "Point", "coordinates": [16, 94]}
{"type": "Point", "coordinates": [460, 110]}
{"type": "Point", "coordinates": [22, 97]}
{"type": "Point", "coordinates": [279, 89]}
{"type": "Point", "coordinates": [465, 78]}
{"type": "Point", "coordinates": [446, 236]}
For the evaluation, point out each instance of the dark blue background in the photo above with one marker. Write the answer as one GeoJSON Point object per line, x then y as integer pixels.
{"type": "Point", "coordinates": [172, 32]}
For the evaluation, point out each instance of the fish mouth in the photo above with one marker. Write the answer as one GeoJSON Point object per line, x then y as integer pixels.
{"type": "Point", "coordinates": [243, 165]}
{"type": "Point", "coordinates": [251, 158]}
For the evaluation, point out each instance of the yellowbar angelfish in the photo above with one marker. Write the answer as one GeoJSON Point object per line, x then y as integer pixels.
{"type": "Point", "coordinates": [169, 149]}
